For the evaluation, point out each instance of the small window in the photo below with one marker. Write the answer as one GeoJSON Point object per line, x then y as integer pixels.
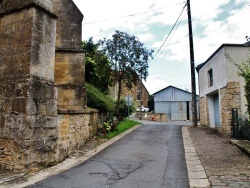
{"type": "Point", "coordinates": [138, 96]}
{"type": "Point", "coordinates": [210, 78]}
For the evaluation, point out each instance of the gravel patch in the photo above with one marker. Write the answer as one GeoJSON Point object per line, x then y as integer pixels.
{"type": "Point", "coordinates": [217, 155]}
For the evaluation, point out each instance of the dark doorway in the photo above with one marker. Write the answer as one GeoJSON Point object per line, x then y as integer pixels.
{"type": "Point", "coordinates": [188, 118]}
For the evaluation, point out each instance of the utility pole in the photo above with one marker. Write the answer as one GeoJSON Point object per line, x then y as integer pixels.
{"type": "Point", "coordinates": [194, 102]}
{"type": "Point", "coordinates": [141, 97]}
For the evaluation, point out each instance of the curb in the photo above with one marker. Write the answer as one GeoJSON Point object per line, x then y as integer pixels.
{"type": "Point", "coordinates": [196, 173]}
{"type": "Point", "coordinates": [66, 164]}
{"type": "Point", "coordinates": [244, 145]}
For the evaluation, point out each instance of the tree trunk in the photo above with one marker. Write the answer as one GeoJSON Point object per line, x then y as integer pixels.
{"type": "Point", "coordinates": [119, 96]}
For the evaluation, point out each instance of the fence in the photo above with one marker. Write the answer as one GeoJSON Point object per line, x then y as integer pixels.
{"type": "Point", "coordinates": [240, 126]}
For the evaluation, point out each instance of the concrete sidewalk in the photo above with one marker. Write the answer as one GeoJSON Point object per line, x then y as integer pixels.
{"type": "Point", "coordinates": [196, 173]}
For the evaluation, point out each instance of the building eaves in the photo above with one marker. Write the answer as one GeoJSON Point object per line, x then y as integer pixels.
{"type": "Point", "coordinates": [198, 67]}
{"type": "Point", "coordinates": [173, 87]}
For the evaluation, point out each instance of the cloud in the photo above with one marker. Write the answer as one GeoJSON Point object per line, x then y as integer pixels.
{"type": "Point", "coordinates": [214, 23]}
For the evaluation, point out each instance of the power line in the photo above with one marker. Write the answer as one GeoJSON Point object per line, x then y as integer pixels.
{"type": "Point", "coordinates": [154, 60]}
{"type": "Point", "coordinates": [168, 80]}
{"type": "Point", "coordinates": [131, 15]}
{"type": "Point", "coordinates": [170, 31]}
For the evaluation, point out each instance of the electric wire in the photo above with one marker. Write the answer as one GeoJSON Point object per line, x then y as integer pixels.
{"type": "Point", "coordinates": [173, 83]}
{"type": "Point", "coordinates": [170, 31]}
{"type": "Point", "coordinates": [131, 15]}
{"type": "Point", "coordinates": [168, 80]}
{"type": "Point", "coordinates": [154, 60]}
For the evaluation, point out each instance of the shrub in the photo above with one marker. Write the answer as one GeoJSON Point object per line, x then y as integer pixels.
{"type": "Point", "coordinates": [109, 125]}
{"type": "Point", "coordinates": [123, 110]}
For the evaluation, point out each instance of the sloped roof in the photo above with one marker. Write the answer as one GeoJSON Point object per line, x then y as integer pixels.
{"type": "Point", "coordinates": [174, 88]}
{"type": "Point", "coordinates": [247, 43]}
{"type": "Point", "coordinates": [198, 67]}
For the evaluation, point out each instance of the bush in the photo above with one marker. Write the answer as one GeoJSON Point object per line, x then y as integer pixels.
{"type": "Point", "coordinates": [109, 125]}
{"type": "Point", "coordinates": [96, 99]}
{"type": "Point", "coordinates": [123, 110]}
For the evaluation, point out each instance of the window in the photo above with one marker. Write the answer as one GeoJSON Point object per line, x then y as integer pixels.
{"type": "Point", "coordinates": [138, 96]}
{"type": "Point", "coordinates": [210, 78]}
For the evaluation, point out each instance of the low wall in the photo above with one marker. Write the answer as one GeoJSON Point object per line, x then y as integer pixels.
{"type": "Point", "coordinates": [161, 117]}
{"type": "Point", "coordinates": [73, 129]}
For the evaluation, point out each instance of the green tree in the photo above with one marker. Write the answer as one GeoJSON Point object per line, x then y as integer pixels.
{"type": "Point", "coordinates": [97, 66]}
{"type": "Point", "coordinates": [128, 57]}
{"type": "Point", "coordinates": [244, 71]}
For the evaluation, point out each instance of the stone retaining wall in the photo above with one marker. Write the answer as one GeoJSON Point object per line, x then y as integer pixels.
{"type": "Point", "coordinates": [161, 117]}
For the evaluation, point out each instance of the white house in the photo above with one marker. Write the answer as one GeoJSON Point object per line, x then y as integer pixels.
{"type": "Point", "coordinates": [221, 89]}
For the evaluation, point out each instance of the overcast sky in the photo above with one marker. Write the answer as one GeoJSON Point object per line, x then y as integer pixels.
{"type": "Point", "coordinates": [214, 22]}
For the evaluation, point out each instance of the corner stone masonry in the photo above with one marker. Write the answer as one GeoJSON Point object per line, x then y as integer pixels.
{"type": "Point", "coordinates": [43, 115]}
{"type": "Point", "coordinates": [230, 97]}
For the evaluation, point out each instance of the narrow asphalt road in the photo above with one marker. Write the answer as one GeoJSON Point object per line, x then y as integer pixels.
{"type": "Point", "coordinates": [152, 156]}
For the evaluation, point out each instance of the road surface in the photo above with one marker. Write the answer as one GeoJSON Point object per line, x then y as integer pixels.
{"type": "Point", "coordinates": [152, 156]}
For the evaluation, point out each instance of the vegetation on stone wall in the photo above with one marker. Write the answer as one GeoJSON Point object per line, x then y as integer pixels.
{"type": "Point", "coordinates": [244, 71]}
{"type": "Point", "coordinates": [97, 66]}
{"type": "Point", "coordinates": [98, 100]}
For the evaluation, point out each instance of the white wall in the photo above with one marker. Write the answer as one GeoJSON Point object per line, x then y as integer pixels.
{"type": "Point", "coordinates": [217, 64]}
{"type": "Point", "coordinates": [238, 55]}
{"type": "Point", "coordinates": [224, 71]}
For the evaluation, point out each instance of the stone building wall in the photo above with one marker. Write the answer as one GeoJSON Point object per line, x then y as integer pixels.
{"type": "Point", "coordinates": [204, 112]}
{"type": "Point", "coordinates": [42, 86]}
{"type": "Point", "coordinates": [28, 94]}
{"type": "Point", "coordinates": [73, 119]}
{"type": "Point", "coordinates": [69, 25]}
{"type": "Point", "coordinates": [230, 98]}
{"type": "Point", "coordinates": [70, 79]}
{"type": "Point", "coordinates": [131, 92]}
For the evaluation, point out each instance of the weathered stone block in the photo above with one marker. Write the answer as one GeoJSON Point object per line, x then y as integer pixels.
{"type": "Point", "coordinates": [70, 18]}
{"type": "Point", "coordinates": [32, 132]}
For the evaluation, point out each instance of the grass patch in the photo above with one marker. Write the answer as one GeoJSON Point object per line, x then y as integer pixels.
{"type": "Point", "coordinates": [122, 126]}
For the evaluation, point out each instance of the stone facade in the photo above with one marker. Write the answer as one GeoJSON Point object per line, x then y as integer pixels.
{"type": "Point", "coordinates": [204, 111]}
{"type": "Point", "coordinates": [230, 98]}
{"type": "Point", "coordinates": [131, 92]}
{"type": "Point", "coordinates": [42, 87]}
{"type": "Point", "coordinates": [221, 89]}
